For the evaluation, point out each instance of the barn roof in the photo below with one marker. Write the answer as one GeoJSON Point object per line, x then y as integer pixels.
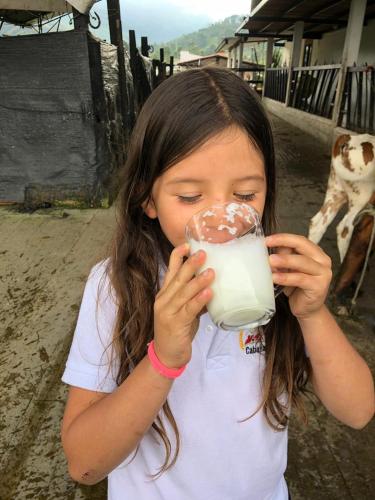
{"type": "Point", "coordinates": [229, 43]}
{"type": "Point", "coordinates": [276, 18]}
{"type": "Point", "coordinates": [222, 55]}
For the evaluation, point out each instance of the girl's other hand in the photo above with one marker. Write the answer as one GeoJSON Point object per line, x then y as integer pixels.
{"type": "Point", "coordinates": [178, 305]}
{"type": "Point", "coordinates": [303, 268]}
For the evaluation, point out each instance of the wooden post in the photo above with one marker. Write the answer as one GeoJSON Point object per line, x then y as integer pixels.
{"type": "Point", "coordinates": [162, 65]}
{"type": "Point", "coordinates": [269, 54]}
{"type": "Point", "coordinates": [235, 57]}
{"type": "Point", "coordinates": [240, 56]}
{"type": "Point", "coordinates": [132, 46]}
{"type": "Point", "coordinates": [144, 46]}
{"type": "Point", "coordinates": [350, 51]}
{"type": "Point", "coordinates": [229, 58]}
{"type": "Point", "coordinates": [81, 21]}
{"type": "Point", "coordinates": [295, 56]}
{"type": "Point", "coordinates": [155, 77]}
{"type": "Point", "coordinates": [353, 34]}
{"type": "Point", "coordinates": [142, 85]}
{"type": "Point", "coordinates": [134, 67]}
{"type": "Point", "coordinates": [171, 63]}
{"type": "Point", "coordinates": [115, 30]}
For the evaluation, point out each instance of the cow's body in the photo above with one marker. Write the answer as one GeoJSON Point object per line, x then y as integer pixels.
{"type": "Point", "coordinates": [352, 181]}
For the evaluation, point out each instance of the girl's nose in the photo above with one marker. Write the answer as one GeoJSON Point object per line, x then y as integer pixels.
{"type": "Point", "coordinates": [220, 200]}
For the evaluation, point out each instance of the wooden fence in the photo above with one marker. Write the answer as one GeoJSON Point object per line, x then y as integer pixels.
{"type": "Point", "coordinates": [276, 83]}
{"type": "Point", "coordinates": [147, 73]}
{"type": "Point", "coordinates": [358, 104]}
{"type": "Point", "coordinates": [313, 89]}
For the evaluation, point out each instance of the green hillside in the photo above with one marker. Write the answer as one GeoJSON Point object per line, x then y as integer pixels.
{"type": "Point", "coordinates": [201, 42]}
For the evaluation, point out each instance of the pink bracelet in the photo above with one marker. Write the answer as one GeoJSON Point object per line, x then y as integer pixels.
{"type": "Point", "coordinates": [158, 365]}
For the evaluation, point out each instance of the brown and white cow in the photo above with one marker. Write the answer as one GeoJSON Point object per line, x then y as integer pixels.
{"type": "Point", "coordinates": [352, 181]}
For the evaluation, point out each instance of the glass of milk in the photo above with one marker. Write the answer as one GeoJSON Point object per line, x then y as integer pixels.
{"type": "Point", "coordinates": [231, 234]}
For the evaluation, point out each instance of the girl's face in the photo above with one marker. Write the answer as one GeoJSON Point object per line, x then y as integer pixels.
{"type": "Point", "coordinates": [226, 168]}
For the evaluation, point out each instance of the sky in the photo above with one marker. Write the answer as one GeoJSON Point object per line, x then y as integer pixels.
{"type": "Point", "coordinates": [216, 10]}
{"type": "Point", "coordinates": [162, 20]}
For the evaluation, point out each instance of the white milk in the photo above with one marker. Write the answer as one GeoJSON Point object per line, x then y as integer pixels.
{"type": "Point", "coordinates": [243, 294]}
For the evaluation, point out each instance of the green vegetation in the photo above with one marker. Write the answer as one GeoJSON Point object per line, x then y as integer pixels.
{"type": "Point", "coordinates": [205, 41]}
{"type": "Point", "coordinates": [201, 42]}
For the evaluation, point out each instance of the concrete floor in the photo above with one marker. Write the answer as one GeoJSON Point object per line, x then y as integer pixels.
{"type": "Point", "coordinates": [327, 460]}
{"type": "Point", "coordinates": [45, 259]}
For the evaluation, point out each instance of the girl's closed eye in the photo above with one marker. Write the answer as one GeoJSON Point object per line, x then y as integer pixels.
{"type": "Point", "coordinates": [245, 197]}
{"type": "Point", "coordinates": [188, 199]}
{"type": "Point", "coordinates": [193, 199]}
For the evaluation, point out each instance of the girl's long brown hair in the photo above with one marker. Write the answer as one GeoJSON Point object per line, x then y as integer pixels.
{"type": "Point", "coordinates": [179, 116]}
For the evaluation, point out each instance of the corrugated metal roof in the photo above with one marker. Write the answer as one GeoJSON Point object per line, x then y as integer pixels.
{"type": "Point", "coordinates": [230, 42]}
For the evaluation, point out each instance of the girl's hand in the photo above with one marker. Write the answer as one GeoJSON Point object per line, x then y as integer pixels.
{"type": "Point", "coordinates": [177, 306]}
{"type": "Point", "coordinates": [303, 269]}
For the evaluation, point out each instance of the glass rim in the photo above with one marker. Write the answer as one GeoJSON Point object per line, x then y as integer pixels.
{"type": "Point", "coordinates": [195, 218]}
{"type": "Point", "coordinates": [220, 205]}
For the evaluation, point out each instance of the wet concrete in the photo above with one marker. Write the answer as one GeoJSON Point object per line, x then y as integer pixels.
{"type": "Point", "coordinates": [45, 259]}
{"type": "Point", "coordinates": [327, 460]}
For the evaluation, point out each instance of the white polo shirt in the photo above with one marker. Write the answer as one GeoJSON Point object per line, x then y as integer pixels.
{"type": "Point", "coordinates": [220, 458]}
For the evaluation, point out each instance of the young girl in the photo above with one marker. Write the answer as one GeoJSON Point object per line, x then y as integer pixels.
{"type": "Point", "coordinates": [195, 415]}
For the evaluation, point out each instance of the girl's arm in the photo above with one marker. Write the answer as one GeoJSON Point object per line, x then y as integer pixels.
{"type": "Point", "coordinates": [341, 378]}
{"type": "Point", "coordinates": [98, 436]}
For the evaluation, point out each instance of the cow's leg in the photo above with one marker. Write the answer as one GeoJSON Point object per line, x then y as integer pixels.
{"type": "Point", "coordinates": [344, 231]}
{"type": "Point", "coordinates": [359, 194]}
{"type": "Point", "coordinates": [355, 255]}
{"type": "Point", "coordinates": [334, 200]}
{"type": "Point", "coordinates": [356, 252]}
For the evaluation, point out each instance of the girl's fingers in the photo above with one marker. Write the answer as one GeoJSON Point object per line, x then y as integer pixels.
{"type": "Point", "coordinates": [300, 280]}
{"type": "Point", "coordinates": [191, 290]}
{"type": "Point", "coordinates": [182, 275]}
{"type": "Point", "coordinates": [175, 262]}
{"type": "Point", "coordinates": [283, 251]}
{"type": "Point", "coordinates": [288, 290]}
{"type": "Point", "coordinates": [301, 245]}
{"type": "Point", "coordinates": [295, 262]}
{"type": "Point", "coordinates": [295, 280]}
{"type": "Point", "coordinates": [192, 308]}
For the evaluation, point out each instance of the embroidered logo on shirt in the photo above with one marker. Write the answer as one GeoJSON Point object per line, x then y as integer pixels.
{"type": "Point", "coordinates": [251, 342]}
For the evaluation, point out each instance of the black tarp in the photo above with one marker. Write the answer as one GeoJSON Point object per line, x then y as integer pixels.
{"type": "Point", "coordinates": [54, 125]}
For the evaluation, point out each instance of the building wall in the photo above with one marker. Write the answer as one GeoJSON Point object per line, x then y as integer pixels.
{"type": "Point", "coordinates": [328, 50]}
{"type": "Point", "coordinates": [210, 61]}
{"type": "Point", "coordinates": [217, 61]}
{"type": "Point", "coordinates": [286, 53]}
{"type": "Point", "coordinates": [185, 55]}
